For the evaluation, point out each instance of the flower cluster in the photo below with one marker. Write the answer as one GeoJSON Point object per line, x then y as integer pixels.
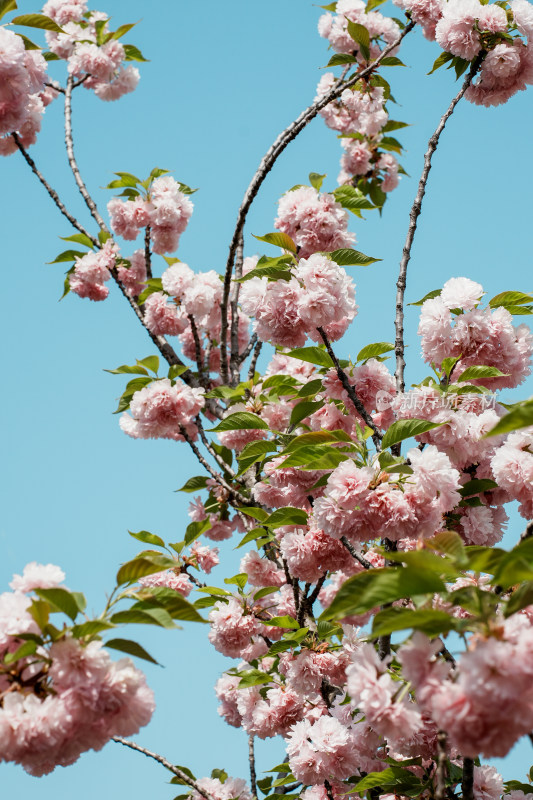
{"type": "Point", "coordinates": [93, 52]}
{"type": "Point", "coordinates": [314, 221]}
{"type": "Point", "coordinates": [160, 410]}
{"type": "Point", "coordinates": [69, 696]}
{"type": "Point", "coordinates": [91, 272]}
{"type": "Point", "coordinates": [166, 210]}
{"type": "Point", "coordinates": [22, 76]}
{"type": "Point", "coordinates": [335, 28]}
{"type": "Point", "coordinates": [319, 294]}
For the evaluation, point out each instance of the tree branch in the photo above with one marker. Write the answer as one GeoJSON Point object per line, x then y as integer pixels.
{"type": "Point", "coordinates": [468, 779]}
{"type": "Point", "coordinates": [69, 142]}
{"type": "Point", "coordinates": [214, 474]}
{"type": "Point", "coordinates": [413, 216]}
{"type": "Point", "coordinates": [251, 761]}
{"type": "Point", "coordinates": [271, 156]}
{"type": "Point", "coordinates": [440, 789]}
{"type": "Point", "coordinates": [53, 194]}
{"type": "Point", "coordinates": [234, 364]}
{"type": "Point", "coordinates": [255, 358]}
{"type": "Point", "coordinates": [147, 252]}
{"type": "Point", "coordinates": [248, 349]}
{"type": "Point", "coordinates": [163, 761]}
{"type": "Point", "coordinates": [359, 407]}
{"type": "Point", "coordinates": [353, 552]}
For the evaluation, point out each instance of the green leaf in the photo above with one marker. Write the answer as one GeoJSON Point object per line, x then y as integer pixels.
{"type": "Point", "coordinates": [79, 238]}
{"type": "Point", "coordinates": [133, 386]}
{"type": "Point", "coordinates": [303, 410]}
{"type": "Point", "coordinates": [195, 529]}
{"type": "Point", "coordinates": [176, 370]}
{"type": "Point", "coordinates": [360, 35]}
{"type": "Point", "coordinates": [26, 649]}
{"type": "Point", "coordinates": [519, 417]}
{"type": "Point", "coordinates": [239, 580]}
{"type": "Point", "coordinates": [148, 538]}
{"type": "Point", "coordinates": [286, 516]}
{"type": "Point", "coordinates": [253, 677]}
{"type": "Point", "coordinates": [397, 778]}
{"type": "Point", "coordinates": [428, 296]}
{"type": "Point", "coordinates": [351, 198]}
{"type": "Point", "coordinates": [315, 457]}
{"type": "Point", "coordinates": [285, 621]}
{"type": "Point", "coordinates": [172, 602]}
{"type": "Point", "coordinates": [313, 355]}
{"type": "Point", "coordinates": [311, 388]}
{"type": "Point", "coordinates": [375, 587]}
{"type": "Point", "coordinates": [122, 30]}
{"type": "Point", "coordinates": [448, 542]}
{"type": "Point", "coordinates": [194, 484]}
{"type": "Point", "coordinates": [133, 53]}
{"type": "Point", "coordinates": [150, 362]}
{"type": "Point", "coordinates": [316, 180]}
{"type": "Point", "coordinates": [346, 258]}
{"type": "Point", "coordinates": [479, 372]}
{"type": "Point", "coordinates": [520, 598]}
{"type": "Point", "coordinates": [255, 513]}
{"type": "Point", "coordinates": [477, 486]}
{"type": "Point", "coordinates": [142, 565]}
{"type": "Point", "coordinates": [440, 62]}
{"type": "Point", "coordinates": [6, 6]}
{"type": "Point", "coordinates": [125, 369]}
{"type": "Point", "coordinates": [131, 648]}
{"type": "Point", "coordinates": [394, 125]}
{"type": "Point", "coordinates": [241, 420]}
{"type": "Point", "coordinates": [253, 452]}
{"type": "Point", "coordinates": [37, 21]}
{"type": "Point", "coordinates": [279, 239]}
{"type": "Point", "coordinates": [147, 616]}
{"type": "Point", "coordinates": [315, 437]}
{"type": "Point", "coordinates": [251, 536]}
{"type": "Point", "coordinates": [60, 600]}
{"type": "Point", "coordinates": [28, 44]}
{"type": "Point", "coordinates": [340, 59]}
{"type": "Point", "coordinates": [510, 299]}
{"type": "Point", "coordinates": [373, 350]}
{"type": "Point", "coordinates": [91, 628]}
{"type": "Point", "coordinates": [391, 61]}
{"type": "Point", "coordinates": [429, 621]}
{"type": "Point", "coordinates": [405, 429]}
{"type": "Point", "coordinates": [67, 255]}
{"type": "Point", "coordinates": [372, 4]}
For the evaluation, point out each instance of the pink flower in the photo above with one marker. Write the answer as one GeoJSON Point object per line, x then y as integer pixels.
{"type": "Point", "coordinates": [228, 694]}
{"type": "Point", "coordinates": [261, 571]}
{"type": "Point", "coordinates": [207, 557]}
{"type": "Point", "coordinates": [134, 276]}
{"type": "Point", "coordinates": [271, 716]}
{"type": "Point", "coordinates": [426, 12]}
{"type": "Point", "coordinates": [37, 576]}
{"type": "Point", "coordinates": [322, 750]}
{"type": "Point", "coordinates": [512, 465]}
{"type": "Point", "coordinates": [162, 318]}
{"type": "Point", "coordinates": [231, 630]}
{"type": "Point", "coordinates": [314, 221]}
{"type": "Point", "coordinates": [158, 411]}
{"type": "Point", "coordinates": [179, 581]}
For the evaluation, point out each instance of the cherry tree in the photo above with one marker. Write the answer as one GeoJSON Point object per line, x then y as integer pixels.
{"type": "Point", "coordinates": [374, 624]}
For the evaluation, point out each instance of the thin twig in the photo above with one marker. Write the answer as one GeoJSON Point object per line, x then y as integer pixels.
{"type": "Point", "coordinates": [468, 779]}
{"type": "Point", "coordinates": [413, 217]}
{"type": "Point", "coordinates": [440, 790]}
{"type": "Point", "coordinates": [316, 591]}
{"type": "Point", "coordinates": [248, 349]}
{"type": "Point", "coordinates": [214, 474]}
{"type": "Point", "coordinates": [342, 376]}
{"type": "Point", "coordinates": [234, 363]}
{"type": "Point", "coordinates": [353, 552]}
{"type": "Point", "coordinates": [251, 761]}
{"type": "Point", "coordinates": [303, 605]}
{"type": "Point", "coordinates": [384, 648]}
{"type": "Point", "coordinates": [52, 192]}
{"type": "Point", "coordinates": [54, 85]}
{"type": "Point", "coordinates": [163, 761]}
{"type": "Point", "coordinates": [329, 790]}
{"type": "Point", "coordinates": [209, 447]}
{"type": "Point", "coordinates": [271, 156]}
{"type": "Point", "coordinates": [69, 142]}
{"type": "Point", "coordinates": [253, 362]}
{"type": "Point", "coordinates": [148, 252]}
{"type": "Point", "coordinates": [204, 380]}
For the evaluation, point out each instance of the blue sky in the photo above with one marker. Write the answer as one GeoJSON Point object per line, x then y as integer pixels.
{"type": "Point", "coordinates": [223, 80]}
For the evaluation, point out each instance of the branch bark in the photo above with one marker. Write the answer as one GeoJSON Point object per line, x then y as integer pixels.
{"type": "Point", "coordinates": [271, 156]}
{"type": "Point", "coordinates": [342, 376]}
{"type": "Point", "coordinates": [251, 761]}
{"type": "Point", "coordinates": [413, 217]}
{"type": "Point", "coordinates": [353, 552]}
{"type": "Point", "coordinates": [440, 790]}
{"type": "Point", "coordinates": [468, 779]}
{"type": "Point", "coordinates": [163, 761]}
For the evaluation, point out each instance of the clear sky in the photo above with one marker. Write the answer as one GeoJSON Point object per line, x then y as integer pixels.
{"type": "Point", "coordinates": [223, 80]}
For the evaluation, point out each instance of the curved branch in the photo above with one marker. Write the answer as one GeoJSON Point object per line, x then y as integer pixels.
{"type": "Point", "coordinates": [91, 205]}
{"type": "Point", "coordinates": [52, 192]}
{"type": "Point", "coordinates": [163, 761]}
{"type": "Point", "coordinates": [413, 216]}
{"type": "Point", "coordinates": [359, 407]}
{"type": "Point", "coordinates": [271, 156]}
{"type": "Point", "coordinates": [353, 552]}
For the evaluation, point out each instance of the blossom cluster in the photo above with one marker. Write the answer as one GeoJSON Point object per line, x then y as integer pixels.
{"type": "Point", "coordinates": [94, 55]}
{"type": "Point", "coordinates": [68, 696]}
{"type": "Point", "coordinates": [22, 92]}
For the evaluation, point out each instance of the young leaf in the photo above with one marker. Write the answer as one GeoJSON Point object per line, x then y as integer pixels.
{"type": "Point", "coordinates": [428, 296]}
{"type": "Point", "coordinates": [429, 621]}
{"type": "Point", "coordinates": [6, 6]}
{"type": "Point", "coordinates": [440, 61]}
{"type": "Point", "coordinates": [303, 410]}
{"type": "Point", "coordinates": [373, 350]}
{"type": "Point", "coordinates": [147, 616]}
{"type": "Point", "coordinates": [131, 648]}
{"type": "Point", "coordinates": [279, 239]}
{"type": "Point", "coordinates": [313, 355]}
{"type": "Point", "coordinates": [360, 35]}
{"type": "Point", "coordinates": [79, 238]}
{"type": "Point", "coordinates": [316, 180]}
{"type": "Point", "coordinates": [37, 21]}
{"type": "Point", "coordinates": [60, 599]}
{"type": "Point", "coordinates": [348, 258]}
{"type": "Point", "coordinates": [241, 420]}
{"type": "Point", "coordinates": [479, 372]}
{"type": "Point", "coordinates": [520, 417]}
{"type": "Point", "coordinates": [286, 516]}
{"type": "Point", "coordinates": [145, 564]}
{"type": "Point", "coordinates": [26, 649]}
{"type": "Point", "coordinates": [407, 428]}
{"type": "Point", "coordinates": [148, 538]}
{"type": "Point", "coordinates": [340, 59]}
{"type": "Point", "coordinates": [68, 255]}
{"type": "Point", "coordinates": [194, 484]}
